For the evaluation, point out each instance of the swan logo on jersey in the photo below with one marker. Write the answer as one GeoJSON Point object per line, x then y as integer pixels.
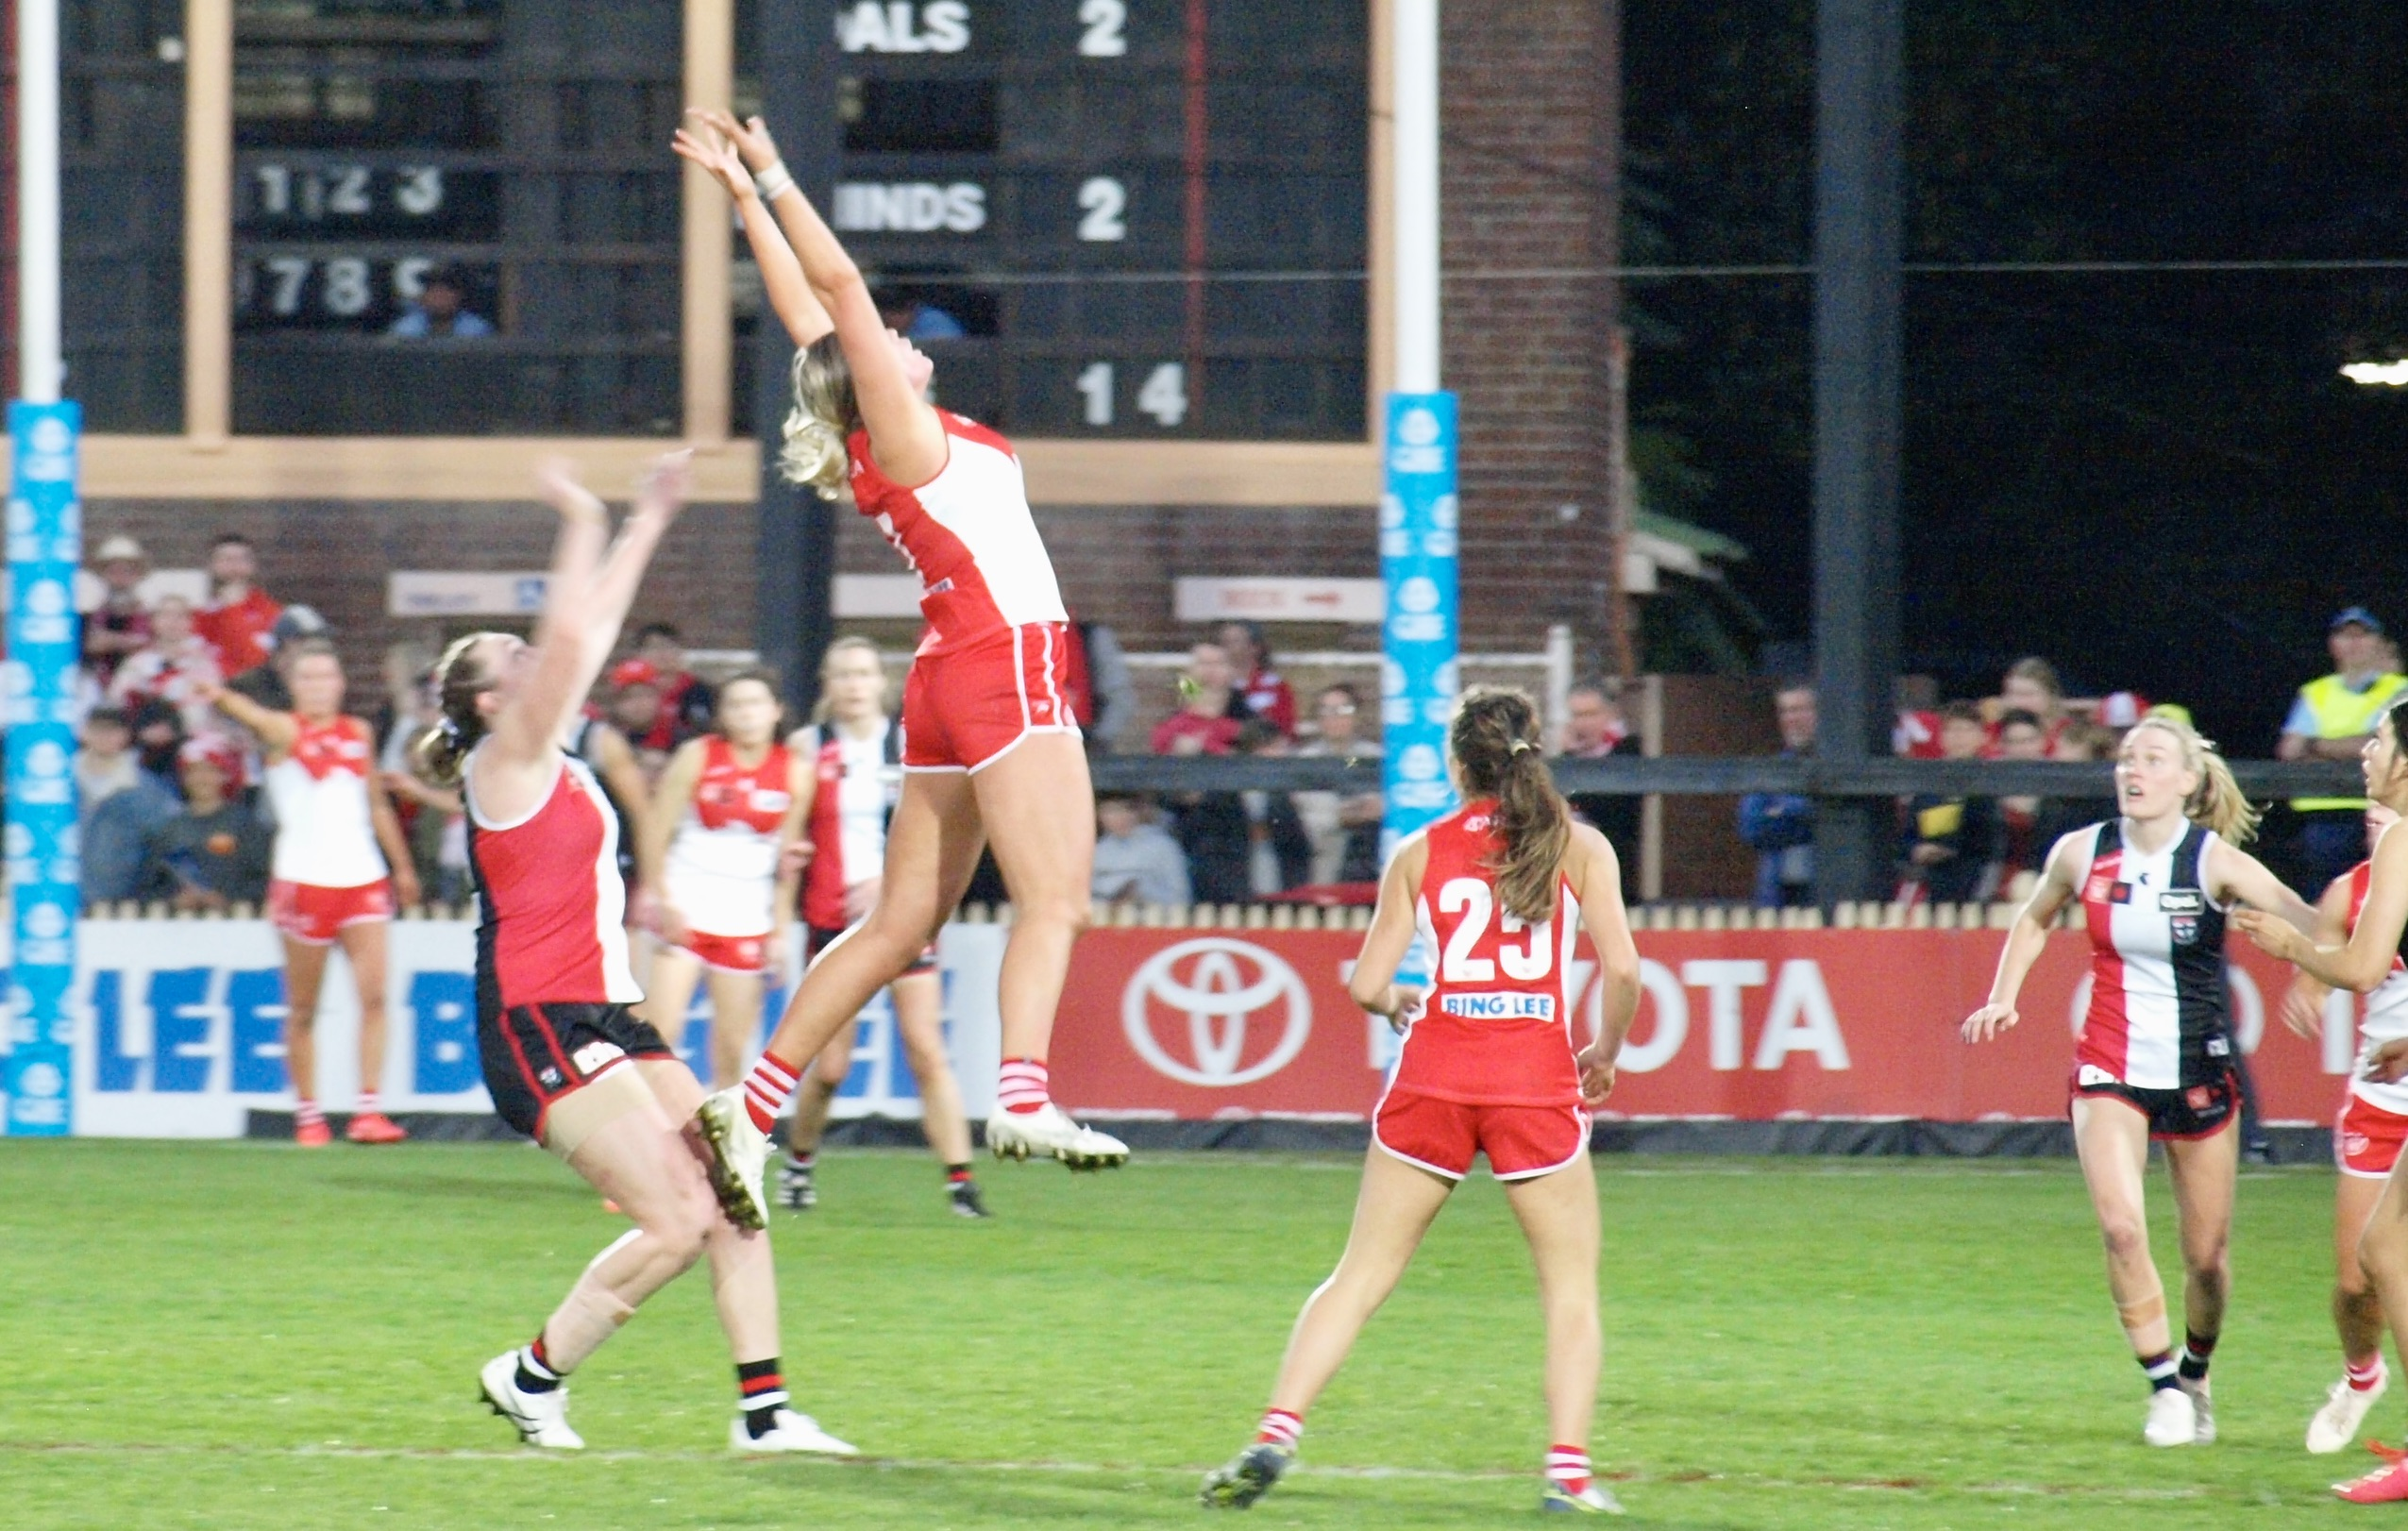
{"type": "Point", "coordinates": [1215, 1011]}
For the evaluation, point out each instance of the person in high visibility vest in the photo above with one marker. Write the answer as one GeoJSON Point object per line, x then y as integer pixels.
{"type": "Point", "coordinates": [2330, 719]}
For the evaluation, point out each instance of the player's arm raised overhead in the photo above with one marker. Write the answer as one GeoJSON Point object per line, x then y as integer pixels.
{"type": "Point", "coordinates": [1374, 984]}
{"type": "Point", "coordinates": [2363, 962]}
{"type": "Point", "coordinates": [725, 148]}
{"type": "Point", "coordinates": [1595, 873]}
{"type": "Point", "coordinates": [2028, 937]}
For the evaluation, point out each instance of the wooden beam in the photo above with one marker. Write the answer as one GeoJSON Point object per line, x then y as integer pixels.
{"type": "Point", "coordinates": [709, 349]}
{"type": "Point", "coordinates": [209, 222]}
{"type": "Point", "coordinates": [471, 468]}
{"type": "Point", "coordinates": [1380, 220]}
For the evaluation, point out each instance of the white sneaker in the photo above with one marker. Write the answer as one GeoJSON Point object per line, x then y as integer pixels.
{"type": "Point", "coordinates": [2172, 1420]}
{"type": "Point", "coordinates": [2337, 1424]}
{"type": "Point", "coordinates": [1048, 1133]}
{"type": "Point", "coordinates": [542, 1418]}
{"type": "Point", "coordinates": [739, 1156]}
{"type": "Point", "coordinates": [791, 1433]}
{"type": "Point", "coordinates": [2202, 1412]}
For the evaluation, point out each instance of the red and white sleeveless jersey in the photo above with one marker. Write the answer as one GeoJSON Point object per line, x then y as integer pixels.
{"type": "Point", "coordinates": [858, 780]}
{"type": "Point", "coordinates": [722, 868]}
{"type": "Point", "coordinates": [2386, 1011]}
{"type": "Point", "coordinates": [2159, 1014]}
{"type": "Point", "coordinates": [969, 535]}
{"type": "Point", "coordinates": [1496, 1027]}
{"type": "Point", "coordinates": [553, 905]}
{"type": "Point", "coordinates": [324, 834]}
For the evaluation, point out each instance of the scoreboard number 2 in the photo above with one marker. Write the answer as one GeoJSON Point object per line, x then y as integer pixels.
{"type": "Point", "coordinates": [1106, 24]}
{"type": "Point", "coordinates": [1104, 203]}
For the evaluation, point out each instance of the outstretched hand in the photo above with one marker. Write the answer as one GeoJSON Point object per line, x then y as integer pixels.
{"type": "Point", "coordinates": [1596, 1075]}
{"type": "Point", "coordinates": [2388, 1062]}
{"type": "Point", "coordinates": [565, 493]}
{"type": "Point", "coordinates": [1990, 1023]}
{"type": "Point", "coordinates": [718, 156]}
{"type": "Point", "coordinates": [667, 482]}
{"type": "Point", "coordinates": [2271, 933]}
{"type": "Point", "coordinates": [750, 138]}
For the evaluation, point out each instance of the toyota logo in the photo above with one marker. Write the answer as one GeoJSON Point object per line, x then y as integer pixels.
{"type": "Point", "coordinates": [1220, 985]}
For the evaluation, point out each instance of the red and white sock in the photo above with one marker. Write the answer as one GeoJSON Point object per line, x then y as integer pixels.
{"type": "Point", "coordinates": [1569, 1467]}
{"type": "Point", "coordinates": [2366, 1375]}
{"type": "Point", "coordinates": [1022, 1087]}
{"type": "Point", "coordinates": [767, 1089]}
{"type": "Point", "coordinates": [1280, 1428]}
{"type": "Point", "coordinates": [306, 1114]}
{"type": "Point", "coordinates": [367, 1106]}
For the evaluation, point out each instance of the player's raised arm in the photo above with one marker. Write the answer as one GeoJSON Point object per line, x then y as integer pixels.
{"type": "Point", "coordinates": [718, 151]}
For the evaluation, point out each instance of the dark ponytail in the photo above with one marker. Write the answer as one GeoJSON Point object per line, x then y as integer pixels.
{"type": "Point", "coordinates": [1495, 742]}
{"type": "Point", "coordinates": [443, 750]}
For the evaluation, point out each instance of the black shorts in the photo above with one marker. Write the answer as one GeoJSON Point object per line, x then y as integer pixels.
{"type": "Point", "coordinates": [536, 1053]}
{"type": "Point", "coordinates": [2194, 1112]}
{"type": "Point", "coordinates": [823, 937]}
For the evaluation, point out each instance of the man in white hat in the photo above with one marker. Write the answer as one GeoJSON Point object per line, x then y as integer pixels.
{"type": "Point", "coordinates": [120, 624]}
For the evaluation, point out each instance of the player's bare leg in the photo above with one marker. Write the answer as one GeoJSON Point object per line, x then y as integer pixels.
{"type": "Point", "coordinates": [2382, 1252]}
{"type": "Point", "coordinates": [668, 993]}
{"type": "Point", "coordinates": [1559, 1216]}
{"type": "Point", "coordinates": [1393, 1211]}
{"type": "Point", "coordinates": [919, 1023]}
{"type": "Point", "coordinates": [743, 1288]}
{"type": "Point", "coordinates": [735, 1021]}
{"type": "Point", "coordinates": [932, 849]}
{"type": "Point", "coordinates": [1039, 807]}
{"type": "Point", "coordinates": [304, 978]}
{"type": "Point", "coordinates": [2204, 1173]}
{"type": "Point", "coordinates": [2357, 1320]}
{"type": "Point", "coordinates": [797, 1178]}
{"type": "Point", "coordinates": [2112, 1140]}
{"type": "Point", "coordinates": [365, 945]}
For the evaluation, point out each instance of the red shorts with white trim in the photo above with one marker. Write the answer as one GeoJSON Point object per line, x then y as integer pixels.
{"type": "Point", "coordinates": [729, 953]}
{"type": "Point", "coordinates": [2367, 1138]}
{"type": "Point", "coordinates": [313, 916]}
{"type": "Point", "coordinates": [965, 708]}
{"type": "Point", "coordinates": [1520, 1141]}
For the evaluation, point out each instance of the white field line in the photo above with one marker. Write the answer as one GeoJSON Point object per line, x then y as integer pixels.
{"type": "Point", "coordinates": [23, 1449]}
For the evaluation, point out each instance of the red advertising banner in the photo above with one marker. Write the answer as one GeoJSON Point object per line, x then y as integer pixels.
{"type": "Point", "coordinates": [1752, 1025]}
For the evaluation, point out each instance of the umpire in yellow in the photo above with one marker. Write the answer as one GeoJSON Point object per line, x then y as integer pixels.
{"type": "Point", "coordinates": [2329, 720]}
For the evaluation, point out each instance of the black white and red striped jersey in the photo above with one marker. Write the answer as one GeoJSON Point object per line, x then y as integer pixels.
{"type": "Point", "coordinates": [2159, 1015]}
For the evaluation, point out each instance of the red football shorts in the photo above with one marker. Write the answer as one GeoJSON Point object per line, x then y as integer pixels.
{"type": "Point", "coordinates": [2367, 1138]}
{"type": "Point", "coordinates": [1441, 1136]}
{"type": "Point", "coordinates": [965, 708]}
{"type": "Point", "coordinates": [312, 915]}
{"type": "Point", "coordinates": [729, 953]}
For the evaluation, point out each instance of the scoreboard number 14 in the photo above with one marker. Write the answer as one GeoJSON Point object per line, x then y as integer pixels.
{"type": "Point", "coordinates": [1164, 395]}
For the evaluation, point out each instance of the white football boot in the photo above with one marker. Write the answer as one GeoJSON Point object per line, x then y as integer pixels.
{"type": "Point", "coordinates": [2202, 1412]}
{"type": "Point", "coordinates": [1048, 1133]}
{"type": "Point", "coordinates": [792, 1433]}
{"type": "Point", "coordinates": [739, 1156]}
{"type": "Point", "coordinates": [542, 1419]}
{"type": "Point", "coordinates": [2173, 1421]}
{"type": "Point", "coordinates": [2343, 1414]}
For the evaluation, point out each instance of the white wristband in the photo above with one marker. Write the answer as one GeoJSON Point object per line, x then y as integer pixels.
{"type": "Point", "coordinates": [774, 182]}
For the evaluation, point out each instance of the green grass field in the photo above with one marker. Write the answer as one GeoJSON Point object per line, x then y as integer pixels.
{"type": "Point", "coordinates": [242, 1335]}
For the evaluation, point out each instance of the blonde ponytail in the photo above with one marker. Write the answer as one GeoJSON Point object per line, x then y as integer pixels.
{"type": "Point", "coordinates": [2219, 803]}
{"type": "Point", "coordinates": [1495, 741]}
{"type": "Point", "coordinates": [816, 450]}
{"type": "Point", "coordinates": [440, 752]}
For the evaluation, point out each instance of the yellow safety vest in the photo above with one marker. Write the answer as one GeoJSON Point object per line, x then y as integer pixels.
{"type": "Point", "coordinates": [2343, 714]}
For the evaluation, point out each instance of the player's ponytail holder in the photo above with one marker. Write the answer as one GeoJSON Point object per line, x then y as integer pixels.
{"type": "Point", "coordinates": [449, 729]}
{"type": "Point", "coordinates": [1518, 746]}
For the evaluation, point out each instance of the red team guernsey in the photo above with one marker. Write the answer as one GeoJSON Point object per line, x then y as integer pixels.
{"type": "Point", "coordinates": [722, 870]}
{"type": "Point", "coordinates": [990, 671]}
{"type": "Point", "coordinates": [1491, 1062]}
{"type": "Point", "coordinates": [552, 901]}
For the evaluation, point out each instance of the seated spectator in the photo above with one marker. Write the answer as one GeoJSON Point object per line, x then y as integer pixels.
{"type": "Point", "coordinates": [1280, 854]}
{"type": "Point", "coordinates": [1916, 735]}
{"type": "Point", "coordinates": [1136, 860]}
{"type": "Point", "coordinates": [1267, 696]}
{"type": "Point", "coordinates": [173, 667]}
{"type": "Point", "coordinates": [1211, 826]}
{"type": "Point", "coordinates": [441, 312]}
{"type": "Point", "coordinates": [1780, 826]}
{"type": "Point", "coordinates": [1953, 840]}
{"type": "Point", "coordinates": [1593, 728]}
{"type": "Point", "coordinates": [120, 624]}
{"type": "Point", "coordinates": [2022, 736]}
{"type": "Point", "coordinates": [216, 852]}
{"type": "Point", "coordinates": [267, 682]}
{"type": "Point", "coordinates": [2031, 685]}
{"type": "Point", "coordinates": [1209, 712]}
{"type": "Point", "coordinates": [688, 706]}
{"type": "Point", "coordinates": [633, 706]}
{"type": "Point", "coordinates": [917, 320]}
{"type": "Point", "coordinates": [118, 804]}
{"type": "Point", "coordinates": [2053, 818]}
{"type": "Point", "coordinates": [159, 742]}
{"type": "Point", "coordinates": [240, 614]}
{"type": "Point", "coordinates": [1344, 829]}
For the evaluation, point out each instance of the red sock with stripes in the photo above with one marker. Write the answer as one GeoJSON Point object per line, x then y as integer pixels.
{"type": "Point", "coordinates": [2365, 1375]}
{"type": "Point", "coordinates": [767, 1089]}
{"type": "Point", "coordinates": [764, 1393]}
{"type": "Point", "coordinates": [1568, 1466]}
{"type": "Point", "coordinates": [1280, 1427]}
{"type": "Point", "coordinates": [367, 1106]}
{"type": "Point", "coordinates": [1023, 1087]}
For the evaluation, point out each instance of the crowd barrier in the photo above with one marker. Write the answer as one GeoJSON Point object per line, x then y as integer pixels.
{"type": "Point", "coordinates": [1226, 1016]}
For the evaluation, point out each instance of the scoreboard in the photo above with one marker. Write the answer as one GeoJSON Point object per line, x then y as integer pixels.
{"type": "Point", "coordinates": [1143, 218]}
